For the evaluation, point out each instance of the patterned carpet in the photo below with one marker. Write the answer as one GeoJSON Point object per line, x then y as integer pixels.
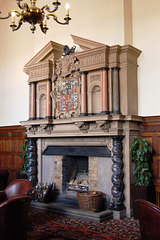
{"type": "Point", "coordinates": [48, 226]}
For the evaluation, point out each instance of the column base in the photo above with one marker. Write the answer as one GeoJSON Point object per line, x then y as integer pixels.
{"type": "Point", "coordinates": [48, 117]}
{"type": "Point", "coordinates": [104, 113]}
{"type": "Point", "coordinates": [83, 114]}
{"type": "Point", "coordinates": [32, 118]}
{"type": "Point", "coordinates": [119, 214]}
{"type": "Point", "coordinates": [115, 112]}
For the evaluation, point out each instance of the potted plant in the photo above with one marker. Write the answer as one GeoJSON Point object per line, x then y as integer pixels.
{"type": "Point", "coordinates": [23, 155]}
{"type": "Point", "coordinates": [141, 153]}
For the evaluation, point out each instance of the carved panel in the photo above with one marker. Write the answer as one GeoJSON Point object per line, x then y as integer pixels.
{"type": "Point", "coordinates": [11, 138]}
{"type": "Point", "coordinates": [94, 86]}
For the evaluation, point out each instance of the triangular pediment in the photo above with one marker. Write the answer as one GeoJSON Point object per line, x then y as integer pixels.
{"type": "Point", "coordinates": [51, 51]}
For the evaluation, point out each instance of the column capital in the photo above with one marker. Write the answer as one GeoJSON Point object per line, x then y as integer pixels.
{"type": "Point", "coordinates": [84, 73]}
{"type": "Point", "coordinates": [115, 68]}
{"type": "Point", "coordinates": [105, 68]}
{"type": "Point", "coordinates": [48, 80]}
{"type": "Point", "coordinates": [32, 83]}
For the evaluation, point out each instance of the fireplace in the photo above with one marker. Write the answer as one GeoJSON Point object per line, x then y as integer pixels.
{"type": "Point", "coordinates": [75, 174]}
{"type": "Point", "coordinates": [82, 117]}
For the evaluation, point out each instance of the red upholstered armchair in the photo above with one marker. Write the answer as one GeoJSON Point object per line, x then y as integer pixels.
{"type": "Point", "coordinates": [149, 220]}
{"type": "Point", "coordinates": [14, 218]}
{"type": "Point", "coordinates": [17, 187]}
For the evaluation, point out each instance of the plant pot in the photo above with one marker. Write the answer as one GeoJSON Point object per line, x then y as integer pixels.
{"type": "Point", "coordinates": [141, 192]}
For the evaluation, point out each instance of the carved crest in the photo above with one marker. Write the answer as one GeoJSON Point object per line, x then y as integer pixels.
{"type": "Point", "coordinates": [66, 66]}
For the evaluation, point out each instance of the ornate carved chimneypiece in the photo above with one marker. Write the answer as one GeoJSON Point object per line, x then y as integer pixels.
{"type": "Point", "coordinates": [84, 105]}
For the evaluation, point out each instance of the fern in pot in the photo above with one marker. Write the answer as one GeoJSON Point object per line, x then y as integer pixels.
{"type": "Point", "coordinates": [141, 153]}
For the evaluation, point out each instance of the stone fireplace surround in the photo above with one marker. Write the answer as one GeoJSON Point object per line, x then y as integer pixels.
{"type": "Point", "coordinates": [103, 114]}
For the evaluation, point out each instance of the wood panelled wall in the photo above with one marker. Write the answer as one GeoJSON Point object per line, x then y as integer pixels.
{"type": "Point", "coordinates": [11, 138]}
{"type": "Point", "coordinates": [150, 129]}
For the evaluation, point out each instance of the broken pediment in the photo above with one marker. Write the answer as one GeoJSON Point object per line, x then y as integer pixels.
{"type": "Point", "coordinates": [86, 44]}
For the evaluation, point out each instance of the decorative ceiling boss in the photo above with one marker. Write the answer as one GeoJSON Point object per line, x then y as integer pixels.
{"type": "Point", "coordinates": [35, 15]}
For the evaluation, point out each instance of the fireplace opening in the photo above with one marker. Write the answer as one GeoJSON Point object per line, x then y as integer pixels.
{"type": "Point", "coordinates": [74, 173]}
{"type": "Point", "coordinates": [78, 168]}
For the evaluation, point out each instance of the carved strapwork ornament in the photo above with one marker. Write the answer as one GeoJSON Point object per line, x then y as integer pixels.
{"type": "Point", "coordinates": [109, 142]}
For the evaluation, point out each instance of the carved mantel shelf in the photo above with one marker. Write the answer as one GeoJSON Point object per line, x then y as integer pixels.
{"type": "Point", "coordinates": [107, 125]}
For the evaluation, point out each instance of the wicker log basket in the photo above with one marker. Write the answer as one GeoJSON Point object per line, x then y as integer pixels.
{"type": "Point", "coordinates": [90, 200]}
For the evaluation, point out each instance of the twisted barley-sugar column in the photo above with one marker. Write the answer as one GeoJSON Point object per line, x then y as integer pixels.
{"type": "Point", "coordinates": [117, 176]}
{"type": "Point", "coordinates": [83, 93]}
{"type": "Point", "coordinates": [31, 172]}
{"type": "Point", "coordinates": [32, 100]}
{"type": "Point", "coordinates": [48, 99]}
{"type": "Point", "coordinates": [105, 106]}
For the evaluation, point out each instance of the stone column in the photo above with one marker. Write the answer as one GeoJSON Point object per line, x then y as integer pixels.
{"type": "Point", "coordinates": [32, 101]}
{"type": "Point", "coordinates": [116, 90]}
{"type": "Point", "coordinates": [84, 94]}
{"type": "Point", "coordinates": [117, 176]}
{"type": "Point", "coordinates": [31, 173]}
{"type": "Point", "coordinates": [48, 100]}
{"type": "Point", "coordinates": [105, 108]}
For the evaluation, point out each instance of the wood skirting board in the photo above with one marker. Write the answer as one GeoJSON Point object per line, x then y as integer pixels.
{"type": "Point", "coordinates": [11, 138]}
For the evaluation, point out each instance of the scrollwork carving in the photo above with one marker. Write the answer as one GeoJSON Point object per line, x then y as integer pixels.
{"type": "Point", "coordinates": [31, 129]}
{"type": "Point", "coordinates": [103, 124]}
{"type": "Point", "coordinates": [83, 126]}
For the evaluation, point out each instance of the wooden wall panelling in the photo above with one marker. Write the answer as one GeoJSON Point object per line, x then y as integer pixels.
{"type": "Point", "coordinates": [150, 129]}
{"type": "Point", "coordinates": [11, 138]}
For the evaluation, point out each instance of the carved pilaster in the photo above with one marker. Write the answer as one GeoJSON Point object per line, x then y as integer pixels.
{"type": "Point", "coordinates": [117, 177]}
{"type": "Point", "coordinates": [31, 173]}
